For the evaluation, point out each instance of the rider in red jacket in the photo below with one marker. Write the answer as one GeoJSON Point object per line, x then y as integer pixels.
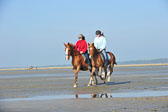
{"type": "Point", "coordinates": [81, 46]}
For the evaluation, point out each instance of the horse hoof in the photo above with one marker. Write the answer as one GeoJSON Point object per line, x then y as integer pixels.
{"type": "Point", "coordinates": [88, 84]}
{"type": "Point", "coordinates": [75, 86]}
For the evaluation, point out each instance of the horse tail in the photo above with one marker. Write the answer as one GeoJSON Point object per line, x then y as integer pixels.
{"type": "Point", "coordinates": [112, 59]}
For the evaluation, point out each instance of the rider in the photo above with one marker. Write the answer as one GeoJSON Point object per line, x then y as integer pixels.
{"type": "Point", "coordinates": [100, 44]}
{"type": "Point", "coordinates": [81, 46]}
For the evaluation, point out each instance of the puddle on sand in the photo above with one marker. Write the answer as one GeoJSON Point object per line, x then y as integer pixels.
{"type": "Point", "coordinates": [162, 78]}
{"type": "Point", "coordinates": [164, 87]}
{"type": "Point", "coordinates": [106, 95]}
{"type": "Point", "coordinates": [58, 76]}
{"type": "Point", "coordinates": [36, 75]}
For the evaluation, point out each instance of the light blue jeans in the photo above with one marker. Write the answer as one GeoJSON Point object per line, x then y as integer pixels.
{"type": "Point", "coordinates": [105, 56]}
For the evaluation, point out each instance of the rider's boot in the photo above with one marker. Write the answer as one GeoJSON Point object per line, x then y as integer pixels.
{"type": "Point", "coordinates": [89, 66]}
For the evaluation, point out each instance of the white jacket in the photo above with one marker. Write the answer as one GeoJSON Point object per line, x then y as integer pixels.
{"type": "Point", "coordinates": [100, 42]}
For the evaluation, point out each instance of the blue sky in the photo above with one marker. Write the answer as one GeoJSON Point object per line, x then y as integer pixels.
{"type": "Point", "coordinates": [32, 32]}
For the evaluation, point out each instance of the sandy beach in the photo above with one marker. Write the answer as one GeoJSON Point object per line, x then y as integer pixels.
{"type": "Point", "coordinates": [133, 89]}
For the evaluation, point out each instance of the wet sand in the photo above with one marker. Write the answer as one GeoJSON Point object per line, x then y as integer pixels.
{"type": "Point", "coordinates": [38, 83]}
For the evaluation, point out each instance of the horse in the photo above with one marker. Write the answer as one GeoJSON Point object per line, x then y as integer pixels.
{"type": "Point", "coordinates": [78, 62]}
{"type": "Point", "coordinates": [98, 62]}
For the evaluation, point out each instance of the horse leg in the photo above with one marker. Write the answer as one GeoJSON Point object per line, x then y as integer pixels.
{"type": "Point", "coordinates": [96, 79]}
{"type": "Point", "coordinates": [91, 78]}
{"type": "Point", "coordinates": [76, 76]}
{"type": "Point", "coordinates": [100, 73]}
{"type": "Point", "coordinates": [90, 81]}
{"type": "Point", "coordinates": [109, 74]}
{"type": "Point", "coordinates": [105, 70]}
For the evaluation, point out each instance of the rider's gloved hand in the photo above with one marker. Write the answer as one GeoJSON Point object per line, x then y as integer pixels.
{"type": "Point", "coordinates": [100, 50]}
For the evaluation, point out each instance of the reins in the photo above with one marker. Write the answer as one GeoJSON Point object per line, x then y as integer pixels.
{"type": "Point", "coordinates": [74, 52]}
{"type": "Point", "coordinates": [94, 52]}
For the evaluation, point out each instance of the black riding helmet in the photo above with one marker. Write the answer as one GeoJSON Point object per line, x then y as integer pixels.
{"type": "Point", "coordinates": [98, 32]}
{"type": "Point", "coordinates": [81, 36]}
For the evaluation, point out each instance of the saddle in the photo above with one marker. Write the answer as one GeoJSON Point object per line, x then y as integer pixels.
{"type": "Point", "coordinates": [103, 57]}
{"type": "Point", "coordinates": [85, 58]}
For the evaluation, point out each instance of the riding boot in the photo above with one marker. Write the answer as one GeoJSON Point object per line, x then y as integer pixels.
{"type": "Point", "coordinates": [105, 57]}
{"type": "Point", "coordinates": [106, 63]}
{"type": "Point", "coordinates": [89, 66]}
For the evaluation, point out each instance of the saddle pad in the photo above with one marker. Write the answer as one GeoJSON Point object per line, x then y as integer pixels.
{"type": "Point", "coordinates": [102, 56]}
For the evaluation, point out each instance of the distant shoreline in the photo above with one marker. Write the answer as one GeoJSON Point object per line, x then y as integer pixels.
{"type": "Point", "coordinates": [69, 67]}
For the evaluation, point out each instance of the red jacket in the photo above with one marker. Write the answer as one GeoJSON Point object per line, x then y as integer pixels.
{"type": "Point", "coordinates": [81, 45]}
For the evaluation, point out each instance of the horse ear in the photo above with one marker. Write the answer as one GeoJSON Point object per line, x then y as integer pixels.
{"type": "Point", "coordinates": [88, 44]}
{"type": "Point", "coordinates": [68, 43]}
{"type": "Point", "coordinates": [93, 44]}
{"type": "Point", "coordinates": [65, 45]}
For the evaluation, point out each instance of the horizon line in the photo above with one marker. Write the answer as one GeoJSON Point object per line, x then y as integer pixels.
{"type": "Point", "coordinates": [70, 67]}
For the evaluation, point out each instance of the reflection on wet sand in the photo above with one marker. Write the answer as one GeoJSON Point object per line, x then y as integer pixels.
{"type": "Point", "coordinates": [105, 95]}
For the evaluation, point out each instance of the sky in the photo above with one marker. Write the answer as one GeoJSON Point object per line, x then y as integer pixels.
{"type": "Point", "coordinates": [33, 32]}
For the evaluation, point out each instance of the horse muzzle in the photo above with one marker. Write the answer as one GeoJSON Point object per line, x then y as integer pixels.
{"type": "Point", "coordinates": [67, 58]}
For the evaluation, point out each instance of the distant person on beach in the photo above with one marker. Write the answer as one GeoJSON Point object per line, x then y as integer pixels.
{"type": "Point", "coordinates": [31, 68]}
{"type": "Point", "coordinates": [81, 46]}
{"type": "Point", "coordinates": [100, 44]}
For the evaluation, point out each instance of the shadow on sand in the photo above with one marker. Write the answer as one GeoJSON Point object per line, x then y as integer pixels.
{"type": "Point", "coordinates": [113, 83]}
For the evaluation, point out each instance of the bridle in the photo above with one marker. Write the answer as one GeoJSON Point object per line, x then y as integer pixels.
{"type": "Point", "coordinates": [93, 53]}
{"type": "Point", "coordinates": [68, 53]}
{"type": "Point", "coordinates": [94, 49]}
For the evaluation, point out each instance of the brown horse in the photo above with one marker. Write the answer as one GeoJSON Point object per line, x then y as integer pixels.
{"type": "Point", "coordinates": [78, 62]}
{"type": "Point", "coordinates": [98, 62]}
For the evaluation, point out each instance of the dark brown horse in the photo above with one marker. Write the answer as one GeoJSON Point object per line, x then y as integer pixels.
{"type": "Point", "coordinates": [78, 62]}
{"type": "Point", "coordinates": [98, 62]}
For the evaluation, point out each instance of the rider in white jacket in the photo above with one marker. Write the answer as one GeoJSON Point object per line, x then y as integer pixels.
{"type": "Point", "coordinates": [100, 44]}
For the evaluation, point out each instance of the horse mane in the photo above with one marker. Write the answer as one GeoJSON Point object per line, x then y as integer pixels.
{"type": "Point", "coordinates": [96, 51]}
{"type": "Point", "coordinates": [73, 47]}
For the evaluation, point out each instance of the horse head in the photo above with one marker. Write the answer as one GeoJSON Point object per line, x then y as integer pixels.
{"type": "Point", "coordinates": [68, 50]}
{"type": "Point", "coordinates": [91, 48]}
